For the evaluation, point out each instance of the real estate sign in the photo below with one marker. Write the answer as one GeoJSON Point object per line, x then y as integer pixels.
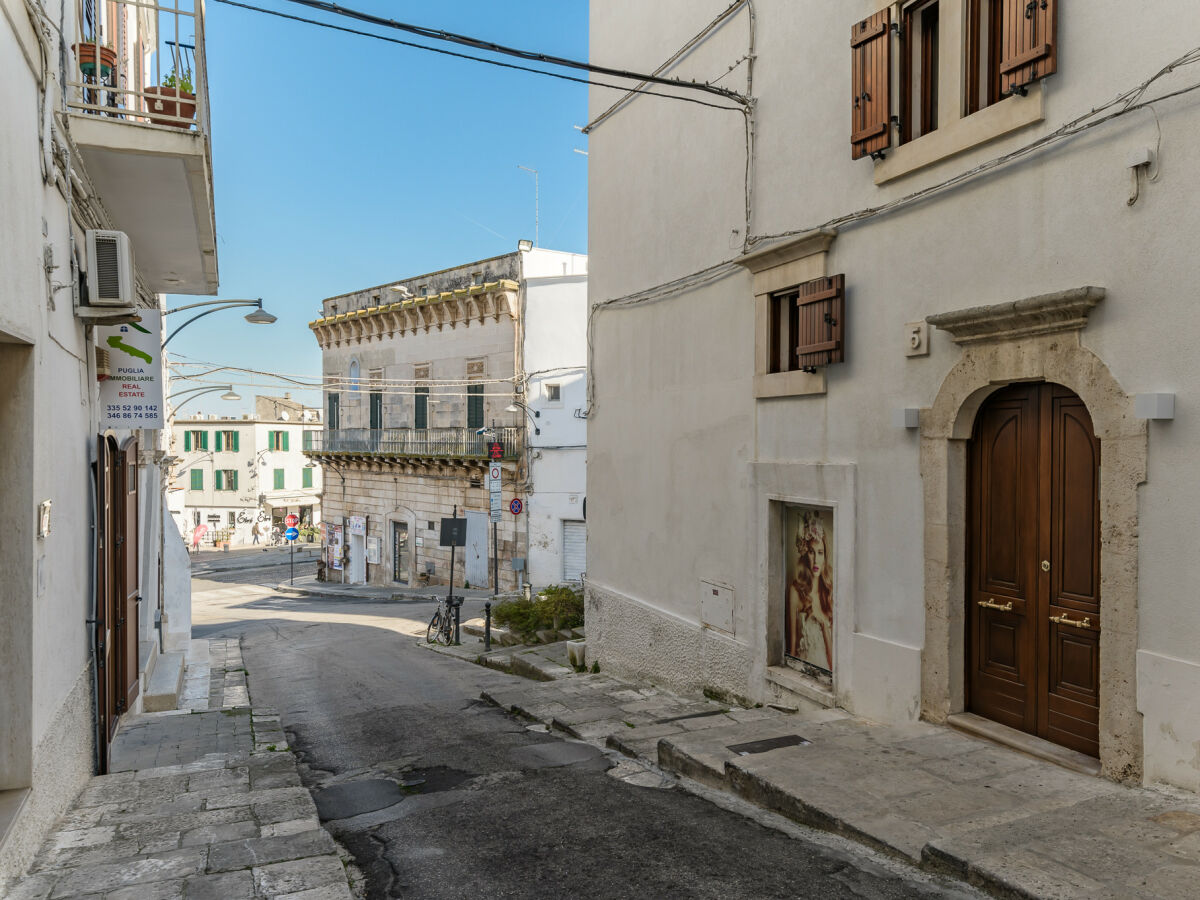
{"type": "Point", "coordinates": [132, 394]}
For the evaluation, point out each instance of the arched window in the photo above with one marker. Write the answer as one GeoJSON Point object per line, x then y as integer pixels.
{"type": "Point", "coordinates": [354, 371]}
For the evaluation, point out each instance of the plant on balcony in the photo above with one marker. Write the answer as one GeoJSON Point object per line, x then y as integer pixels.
{"type": "Point", "coordinates": [85, 53]}
{"type": "Point", "coordinates": [179, 108]}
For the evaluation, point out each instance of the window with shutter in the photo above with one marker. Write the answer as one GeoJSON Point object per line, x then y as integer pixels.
{"type": "Point", "coordinates": [220, 441]}
{"type": "Point", "coordinates": [306, 477]}
{"type": "Point", "coordinates": [920, 62]}
{"type": "Point", "coordinates": [283, 440]}
{"type": "Point", "coordinates": [333, 419]}
{"type": "Point", "coordinates": [197, 479]}
{"type": "Point", "coordinates": [187, 440]}
{"type": "Point", "coordinates": [236, 441]}
{"type": "Point", "coordinates": [475, 406]}
{"type": "Point", "coordinates": [279, 479]}
{"type": "Point", "coordinates": [421, 408]}
{"type": "Point", "coordinates": [203, 440]}
{"type": "Point", "coordinates": [871, 86]}
{"type": "Point", "coordinates": [821, 306]}
{"type": "Point", "coordinates": [220, 479]}
{"type": "Point", "coordinates": [1028, 44]}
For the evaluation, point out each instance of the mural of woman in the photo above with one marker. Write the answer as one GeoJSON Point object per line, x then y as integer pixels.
{"type": "Point", "coordinates": [809, 608]}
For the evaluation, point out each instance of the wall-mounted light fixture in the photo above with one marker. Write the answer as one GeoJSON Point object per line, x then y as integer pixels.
{"type": "Point", "coordinates": [1154, 406]}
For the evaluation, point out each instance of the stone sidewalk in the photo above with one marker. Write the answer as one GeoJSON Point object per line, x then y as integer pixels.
{"type": "Point", "coordinates": [202, 803]}
{"type": "Point", "coordinates": [1010, 824]}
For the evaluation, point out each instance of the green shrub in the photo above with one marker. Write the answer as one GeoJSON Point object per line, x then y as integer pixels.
{"type": "Point", "coordinates": [560, 605]}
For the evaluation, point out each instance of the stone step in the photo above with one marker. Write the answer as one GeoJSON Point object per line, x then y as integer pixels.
{"type": "Point", "coordinates": [162, 689]}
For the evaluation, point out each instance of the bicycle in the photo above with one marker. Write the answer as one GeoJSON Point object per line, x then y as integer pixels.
{"type": "Point", "coordinates": [441, 626]}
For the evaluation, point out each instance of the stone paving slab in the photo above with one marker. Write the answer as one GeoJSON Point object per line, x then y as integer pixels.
{"type": "Point", "coordinates": [215, 822]}
{"type": "Point", "coordinates": [943, 800]}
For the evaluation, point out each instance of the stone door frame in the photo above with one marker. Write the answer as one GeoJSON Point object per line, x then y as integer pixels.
{"type": "Point", "coordinates": [986, 366]}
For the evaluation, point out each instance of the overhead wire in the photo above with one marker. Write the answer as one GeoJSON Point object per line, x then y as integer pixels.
{"type": "Point", "coordinates": [492, 62]}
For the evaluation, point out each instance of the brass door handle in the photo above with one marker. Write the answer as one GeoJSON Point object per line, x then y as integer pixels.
{"type": "Point", "coordinates": [1085, 622]}
{"type": "Point", "coordinates": [992, 604]}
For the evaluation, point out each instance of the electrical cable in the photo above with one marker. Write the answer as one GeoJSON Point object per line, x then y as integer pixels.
{"type": "Point", "coordinates": [438, 34]}
{"type": "Point", "coordinates": [490, 62]}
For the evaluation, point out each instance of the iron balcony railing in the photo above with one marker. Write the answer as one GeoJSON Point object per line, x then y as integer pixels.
{"type": "Point", "coordinates": [141, 62]}
{"type": "Point", "coordinates": [442, 443]}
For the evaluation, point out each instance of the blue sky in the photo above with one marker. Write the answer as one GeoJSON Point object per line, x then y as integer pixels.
{"type": "Point", "coordinates": [342, 162]}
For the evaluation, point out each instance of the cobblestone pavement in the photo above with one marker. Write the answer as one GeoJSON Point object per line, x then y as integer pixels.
{"type": "Point", "coordinates": [202, 803]}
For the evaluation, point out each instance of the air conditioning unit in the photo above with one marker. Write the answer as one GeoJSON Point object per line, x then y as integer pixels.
{"type": "Point", "coordinates": [110, 269]}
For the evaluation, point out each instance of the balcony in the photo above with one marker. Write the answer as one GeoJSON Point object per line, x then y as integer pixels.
{"type": "Point", "coordinates": [137, 94]}
{"type": "Point", "coordinates": [451, 444]}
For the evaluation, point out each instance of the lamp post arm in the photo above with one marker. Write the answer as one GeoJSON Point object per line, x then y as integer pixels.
{"type": "Point", "coordinates": [222, 303]}
{"type": "Point", "coordinates": [194, 395]}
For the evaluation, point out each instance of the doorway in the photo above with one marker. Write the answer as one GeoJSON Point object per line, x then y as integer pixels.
{"type": "Point", "coordinates": [1033, 554]}
{"type": "Point", "coordinates": [400, 552]}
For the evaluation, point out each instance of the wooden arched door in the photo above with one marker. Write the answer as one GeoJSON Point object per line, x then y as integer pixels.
{"type": "Point", "coordinates": [1033, 585]}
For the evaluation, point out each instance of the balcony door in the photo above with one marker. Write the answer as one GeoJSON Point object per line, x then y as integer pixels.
{"type": "Point", "coordinates": [1033, 614]}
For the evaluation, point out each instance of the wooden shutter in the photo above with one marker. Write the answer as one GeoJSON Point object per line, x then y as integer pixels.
{"type": "Point", "coordinates": [233, 479]}
{"type": "Point", "coordinates": [220, 479]}
{"type": "Point", "coordinates": [871, 85]}
{"type": "Point", "coordinates": [421, 408]}
{"type": "Point", "coordinates": [197, 479]}
{"type": "Point", "coordinates": [279, 479]}
{"type": "Point", "coordinates": [1029, 43]}
{"type": "Point", "coordinates": [306, 477]}
{"type": "Point", "coordinates": [284, 439]}
{"type": "Point", "coordinates": [187, 440]}
{"type": "Point", "coordinates": [203, 440]}
{"type": "Point", "coordinates": [219, 436]}
{"type": "Point", "coordinates": [236, 441]}
{"type": "Point", "coordinates": [822, 306]}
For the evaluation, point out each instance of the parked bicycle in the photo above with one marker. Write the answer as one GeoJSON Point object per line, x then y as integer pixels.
{"type": "Point", "coordinates": [441, 626]}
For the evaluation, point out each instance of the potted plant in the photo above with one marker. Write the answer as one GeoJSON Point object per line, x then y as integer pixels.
{"type": "Point", "coordinates": [180, 102]}
{"type": "Point", "coordinates": [85, 53]}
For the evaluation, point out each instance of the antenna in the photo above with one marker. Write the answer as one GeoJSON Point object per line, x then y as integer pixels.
{"type": "Point", "coordinates": [536, 202]}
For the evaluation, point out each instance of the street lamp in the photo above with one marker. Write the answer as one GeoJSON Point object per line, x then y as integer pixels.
{"type": "Point", "coordinates": [259, 317]}
{"type": "Point", "coordinates": [195, 392]}
{"type": "Point", "coordinates": [517, 406]}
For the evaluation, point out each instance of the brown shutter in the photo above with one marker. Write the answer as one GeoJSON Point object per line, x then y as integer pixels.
{"type": "Point", "coordinates": [871, 85]}
{"type": "Point", "coordinates": [127, 510]}
{"type": "Point", "coordinates": [822, 306]}
{"type": "Point", "coordinates": [1029, 43]}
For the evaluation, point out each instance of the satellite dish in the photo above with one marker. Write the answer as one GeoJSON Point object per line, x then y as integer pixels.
{"type": "Point", "coordinates": [283, 416]}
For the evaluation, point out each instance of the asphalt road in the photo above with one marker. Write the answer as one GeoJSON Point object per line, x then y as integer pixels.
{"type": "Point", "coordinates": [437, 794]}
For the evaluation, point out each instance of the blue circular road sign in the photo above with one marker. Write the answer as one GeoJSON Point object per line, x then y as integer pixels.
{"type": "Point", "coordinates": [292, 533]}
{"type": "Point", "coordinates": [516, 506]}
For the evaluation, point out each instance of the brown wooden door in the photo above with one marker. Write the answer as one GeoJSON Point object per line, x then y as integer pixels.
{"type": "Point", "coordinates": [1033, 596]}
{"type": "Point", "coordinates": [129, 592]}
{"type": "Point", "coordinates": [107, 605]}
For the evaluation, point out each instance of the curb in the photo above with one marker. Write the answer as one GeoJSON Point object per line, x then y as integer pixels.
{"type": "Point", "coordinates": [339, 595]}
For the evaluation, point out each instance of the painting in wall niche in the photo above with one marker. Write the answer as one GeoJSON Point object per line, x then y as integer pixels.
{"type": "Point", "coordinates": [808, 630]}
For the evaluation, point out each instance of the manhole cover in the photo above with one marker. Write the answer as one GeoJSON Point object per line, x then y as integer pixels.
{"type": "Point", "coordinates": [353, 798]}
{"type": "Point", "coordinates": [775, 743]}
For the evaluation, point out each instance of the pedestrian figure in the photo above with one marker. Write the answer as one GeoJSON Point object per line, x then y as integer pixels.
{"type": "Point", "coordinates": [254, 533]}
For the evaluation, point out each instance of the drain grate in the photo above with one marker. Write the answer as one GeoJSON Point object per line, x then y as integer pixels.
{"type": "Point", "coordinates": [775, 743]}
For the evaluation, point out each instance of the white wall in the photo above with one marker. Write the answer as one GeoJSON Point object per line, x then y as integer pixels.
{"type": "Point", "coordinates": [555, 354]}
{"type": "Point", "coordinates": [675, 427]}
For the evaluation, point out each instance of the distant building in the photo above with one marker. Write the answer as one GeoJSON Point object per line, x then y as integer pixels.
{"type": "Point", "coordinates": [421, 376]}
{"type": "Point", "coordinates": [232, 474]}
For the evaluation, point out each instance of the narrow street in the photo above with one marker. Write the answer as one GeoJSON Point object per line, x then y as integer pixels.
{"type": "Point", "coordinates": [439, 794]}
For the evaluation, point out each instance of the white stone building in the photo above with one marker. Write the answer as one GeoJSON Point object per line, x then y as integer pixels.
{"type": "Point", "coordinates": [87, 576]}
{"type": "Point", "coordinates": [885, 360]}
{"type": "Point", "coordinates": [235, 473]}
{"type": "Point", "coordinates": [421, 376]}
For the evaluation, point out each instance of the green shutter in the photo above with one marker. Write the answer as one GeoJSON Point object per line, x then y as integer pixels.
{"type": "Point", "coordinates": [279, 479]}
{"type": "Point", "coordinates": [306, 477]}
{"type": "Point", "coordinates": [187, 440]}
{"type": "Point", "coordinates": [219, 441]}
{"type": "Point", "coordinates": [220, 479]}
{"type": "Point", "coordinates": [203, 440]}
{"type": "Point", "coordinates": [233, 479]}
{"type": "Point", "coordinates": [236, 442]}
{"type": "Point", "coordinates": [197, 479]}
{"type": "Point", "coordinates": [285, 439]}
{"type": "Point", "coordinates": [421, 408]}
{"type": "Point", "coordinates": [475, 406]}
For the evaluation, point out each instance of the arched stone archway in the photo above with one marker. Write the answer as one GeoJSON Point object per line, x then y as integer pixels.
{"type": "Point", "coordinates": [946, 428]}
